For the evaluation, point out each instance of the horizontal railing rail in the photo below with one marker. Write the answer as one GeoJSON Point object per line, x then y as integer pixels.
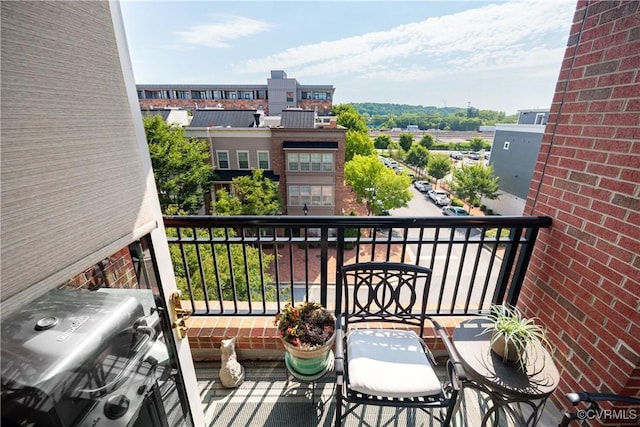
{"type": "Point", "coordinates": [254, 265]}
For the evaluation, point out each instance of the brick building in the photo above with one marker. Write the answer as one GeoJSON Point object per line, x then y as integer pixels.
{"type": "Point", "coordinates": [300, 152]}
{"type": "Point", "coordinates": [280, 93]}
{"type": "Point", "coordinates": [584, 282]}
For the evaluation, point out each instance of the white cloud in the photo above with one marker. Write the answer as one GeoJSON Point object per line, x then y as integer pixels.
{"type": "Point", "coordinates": [495, 36]}
{"type": "Point", "coordinates": [222, 30]}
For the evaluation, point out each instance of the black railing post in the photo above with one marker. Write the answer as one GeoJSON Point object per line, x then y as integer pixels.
{"type": "Point", "coordinates": [507, 264]}
{"type": "Point", "coordinates": [521, 266]}
{"type": "Point", "coordinates": [339, 262]}
{"type": "Point", "coordinates": [324, 264]}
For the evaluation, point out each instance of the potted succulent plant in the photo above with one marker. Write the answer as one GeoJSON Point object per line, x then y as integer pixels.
{"type": "Point", "coordinates": [307, 331]}
{"type": "Point", "coordinates": [513, 335]}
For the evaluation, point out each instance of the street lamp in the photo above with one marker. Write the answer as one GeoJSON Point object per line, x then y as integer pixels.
{"type": "Point", "coordinates": [305, 209]}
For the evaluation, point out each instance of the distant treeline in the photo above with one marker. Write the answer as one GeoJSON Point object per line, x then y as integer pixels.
{"type": "Point", "coordinates": [389, 116]}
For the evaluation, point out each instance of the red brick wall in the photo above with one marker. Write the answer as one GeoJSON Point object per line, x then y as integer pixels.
{"type": "Point", "coordinates": [116, 271]}
{"type": "Point", "coordinates": [584, 282]}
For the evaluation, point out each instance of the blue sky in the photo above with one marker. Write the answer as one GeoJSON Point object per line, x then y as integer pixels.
{"type": "Point", "coordinates": [498, 55]}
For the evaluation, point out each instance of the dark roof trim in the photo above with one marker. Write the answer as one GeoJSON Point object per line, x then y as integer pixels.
{"type": "Point", "coordinates": [331, 145]}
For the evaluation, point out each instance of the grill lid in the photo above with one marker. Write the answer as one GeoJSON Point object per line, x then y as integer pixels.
{"type": "Point", "coordinates": [64, 332]}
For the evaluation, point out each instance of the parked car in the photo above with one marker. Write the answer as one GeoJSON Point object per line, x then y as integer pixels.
{"type": "Point", "coordinates": [422, 186]}
{"type": "Point", "coordinates": [474, 156]}
{"type": "Point", "coordinates": [456, 155]}
{"type": "Point", "coordinates": [439, 197]}
{"type": "Point", "coordinates": [454, 211]}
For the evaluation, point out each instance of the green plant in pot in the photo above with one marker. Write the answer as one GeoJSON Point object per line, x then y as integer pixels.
{"type": "Point", "coordinates": [513, 335]}
{"type": "Point", "coordinates": [307, 331]}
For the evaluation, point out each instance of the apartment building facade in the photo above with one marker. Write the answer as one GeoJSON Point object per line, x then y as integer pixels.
{"type": "Point", "coordinates": [279, 93]}
{"type": "Point", "coordinates": [302, 154]}
{"type": "Point", "coordinates": [514, 152]}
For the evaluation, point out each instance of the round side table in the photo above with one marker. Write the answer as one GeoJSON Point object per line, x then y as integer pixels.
{"type": "Point", "coordinates": [519, 394]}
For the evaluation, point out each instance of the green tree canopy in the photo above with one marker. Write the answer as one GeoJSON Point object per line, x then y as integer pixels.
{"type": "Point", "coordinates": [427, 141]}
{"type": "Point", "coordinates": [255, 194]}
{"type": "Point", "coordinates": [372, 181]}
{"type": "Point", "coordinates": [181, 165]}
{"type": "Point", "coordinates": [381, 142]}
{"type": "Point", "coordinates": [476, 143]}
{"type": "Point", "coordinates": [417, 156]}
{"type": "Point", "coordinates": [406, 141]}
{"type": "Point", "coordinates": [472, 183]}
{"type": "Point", "coordinates": [349, 117]}
{"type": "Point", "coordinates": [439, 166]}
{"type": "Point", "coordinates": [358, 143]}
{"type": "Point", "coordinates": [237, 272]}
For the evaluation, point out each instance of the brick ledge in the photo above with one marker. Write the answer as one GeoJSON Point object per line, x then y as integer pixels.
{"type": "Point", "coordinates": [257, 337]}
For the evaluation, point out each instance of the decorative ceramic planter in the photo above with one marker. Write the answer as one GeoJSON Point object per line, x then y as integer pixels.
{"type": "Point", "coordinates": [309, 362]}
{"type": "Point", "coordinates": [506, 350]}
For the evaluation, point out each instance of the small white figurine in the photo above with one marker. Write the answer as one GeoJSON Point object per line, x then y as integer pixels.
{"type": "Point", "coordinates": [231, 372]}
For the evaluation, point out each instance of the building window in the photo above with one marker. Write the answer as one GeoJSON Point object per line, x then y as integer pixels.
{"type": "Point", "coordinates": [327, 195]}
{"type": "Point", "coordinates": [289, 96]}
{"type": "Point", "coordinates": [246, 94]}
{"type": "Point", "coordinates": [327, 162]}
{"type": "Point", "coordinates": [292, 161]}
{"type": "Point", "coordinates": [243, 159]}
{"type": "Point", "coordinates": [312, 195]}
{"type": "Point", "coordinates": [263, 160]}
{"type": "Point", "coordinates": [230, 94]}
{"type": "Point", "coordinates": [316, 163]}
{"type": "Point", "coordinates": [540, 119]}
{"type": "Point", "coordinates": [223, 159]}
{"type": "Point", "coordinates": [262, 94]}
{"type": "Point", "coordinates": [304, 162]}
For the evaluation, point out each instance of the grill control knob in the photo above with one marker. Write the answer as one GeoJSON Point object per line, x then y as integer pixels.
{"type": "Point", "coordinates": [116, 406]}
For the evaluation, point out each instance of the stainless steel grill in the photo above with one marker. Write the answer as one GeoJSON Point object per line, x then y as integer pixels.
{"type": "Point", "coordinates": [80, 358]}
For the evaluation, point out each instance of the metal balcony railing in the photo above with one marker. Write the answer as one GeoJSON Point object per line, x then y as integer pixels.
{"type": "Point", "coordinates": [254, 265]}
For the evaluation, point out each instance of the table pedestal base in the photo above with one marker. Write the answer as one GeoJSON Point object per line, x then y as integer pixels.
{"type": "Point", "coordinates": [522, 412]}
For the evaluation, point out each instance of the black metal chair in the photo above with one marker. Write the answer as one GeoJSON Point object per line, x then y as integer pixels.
{"type": "Point", "coordinates": [390, 366]}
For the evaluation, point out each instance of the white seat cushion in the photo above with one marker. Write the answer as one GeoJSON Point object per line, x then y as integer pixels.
{"type": "Point", "coordinates": [389, 363]}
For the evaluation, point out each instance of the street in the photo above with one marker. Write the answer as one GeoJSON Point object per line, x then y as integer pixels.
{"type": "Point", "coordinates": [452, 264]}
{"type": "Point", "coordinates": [456, 266]}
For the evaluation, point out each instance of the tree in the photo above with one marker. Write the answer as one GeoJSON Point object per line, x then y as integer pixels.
{"type": "Point", "coordinates": [181, 165]}
{"type": "Point", "coordinates": [256, 195]}
{"type": "Point", "coordinates": [417, 156]}
{"type": "Point", "coordinates": [230, 271]}
{"type": "Point", "coordinates": [427, 141]}
{"type": "Point", "coordinates": [406, 140]}
{"type": "Point", "coordinates": [226, 204]}
{"type": "Point", "coordinates": [472, 183]}
{"type": "Point", "coordinates": [476, 143]}
{"type": "Point", "coordinates": [381, 142]}
{"type": "Point", "coordinates": [358, 143]}
{"type": "Point", "coordinates": [439, 166]}
{"type": "Point", "coordinates": [372, 182]}
{"type": "Point", "coordinates": [349, 117]}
